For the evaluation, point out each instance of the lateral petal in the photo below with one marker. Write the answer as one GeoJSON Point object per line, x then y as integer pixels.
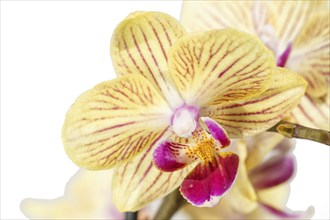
{"type": "Point", "coordinates": [312, 112]}
{"type": "Point", "coordinates": [140, 45]}
{"type": "Point", "coordinates": [207, 183]}
{"type": "Point", "coordinates": [290, 17]}
{"type": "Point", "coordinates": [310, 55]}
{"type": "Point", "coordinates": [138, 182]}
{"type": "Point", "coordinates": [168, 157]}
{"type": "Point", "coordinates": [220, 65]}
{"type": "Point", "coordinates": [114, 121]}
{"type": "Point", "coordinates": [259, 113]}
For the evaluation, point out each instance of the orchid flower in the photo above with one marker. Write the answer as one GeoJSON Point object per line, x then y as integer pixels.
{"type": "Point", "coordinates": [260, 192]}
{"type": "Point", "coordinates": [87, 196]}
{"type": "Point", "coordinates": [166, 119]}
{"type": "Point", "coordinates": [298, 33]}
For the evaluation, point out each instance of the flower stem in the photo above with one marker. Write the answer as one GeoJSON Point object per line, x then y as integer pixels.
{"type": "Point", "coordinates": [131, 215]}
{"type": "Point", "coordinates": [291, 130]}
{"type": "Point", "coordinates": [170, 205]}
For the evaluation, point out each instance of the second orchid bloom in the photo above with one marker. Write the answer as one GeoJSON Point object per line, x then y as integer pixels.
{"type": "Point", "coordinates": [167, 119]}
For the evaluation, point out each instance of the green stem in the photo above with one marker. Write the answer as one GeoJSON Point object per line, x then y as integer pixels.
{"type": "Point", "coordinates": [170, 205]}
{"type": "Point", "coordinates": [131, 215]}
{"type": "Point", "coordinates": [291, 130]}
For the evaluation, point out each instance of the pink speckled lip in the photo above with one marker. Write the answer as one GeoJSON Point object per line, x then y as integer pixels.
{"type": "Point", "coordinates": [208, 182]}
{"type": "Point", "coordinates": [215, 172]}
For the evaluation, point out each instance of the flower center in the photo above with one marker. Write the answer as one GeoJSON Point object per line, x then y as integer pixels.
{"type": "Point", "coordinates": [184, 120]}
{"type": "Point", "coordinates": [204, 150]}
{"type": "Point", "coordinates": [204, 145]}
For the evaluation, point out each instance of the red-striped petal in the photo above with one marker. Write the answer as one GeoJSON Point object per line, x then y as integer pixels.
{"type": "Point", "coordinates": [290, 17]}
{"type": "Point", "coordinates": [312, 112]}
{"type": "Point", "coordinates": [140, 45]}
{"type": "Point", "coordinates": [310, 55]}
{"type": "Point", "coordinates": [277, 23]}
{"type": "Point", "coordinates": [221, 65]}
{"type": "Point", "coordinates": [253, 116]}
{"type": "Point", "coordinates": [114, 121]}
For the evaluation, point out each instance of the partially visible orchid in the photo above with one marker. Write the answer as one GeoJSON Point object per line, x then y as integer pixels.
{"type": "Point", "coordinates": [165, 121]}
{"type": "Point", "coordinates": [260, 192]}
{"type": "Point", "coordinates": [87, 196]}
{"type": "Point", "coordinates": [298, 33]}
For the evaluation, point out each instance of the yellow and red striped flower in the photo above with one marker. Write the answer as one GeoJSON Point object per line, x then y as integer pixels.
{"type": "Point", "coordinates": [298, 33]}
{"type": "Point", "coordinates": [176, 102]}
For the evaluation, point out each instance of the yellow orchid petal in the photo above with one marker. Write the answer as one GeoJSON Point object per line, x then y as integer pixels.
{"type": "Point", "coordinates": [289, 18]}
{"type": "Point", "coordinates": [254, 17]}
{"type": "Point", "coordinates": [207, 15]}
{"type": "Point", "coordinates": [318, 84]}
{"type": "Point", "coordinates": [312, 113]}
{"type": "Point", "coordinates": [276, 23]}
{"type": "Point", "coordinates": [221, 65]}
{"type": "Point", "coordinates": [276, 196]}
{"type": "Point", "coordinates": [265, 211]}
{"type": "Point", "coordinates": [214, 213]}
{"type": "Point", "coordinates": [140, 44]}
{"type": "Point", "coordinates": [260, 146]}
{"type": "Point", "coordinates": [242, 196]}
{"type": "Point", "coordinates": [310, 55]}
{"type": "Point", "coordinates": [253, 116]}
{"type": "Point", "coordinates": [87, 196]}
{"type": "Point", "coordinates": [50, 209]}
{"type": "Point", "coordinates": [114, 121]}
{"type": "Point", "coordinates": [138, 182]}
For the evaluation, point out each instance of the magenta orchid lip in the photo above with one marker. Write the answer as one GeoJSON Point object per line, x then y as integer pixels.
{"type": "Point", "coordinates": [215, 171]}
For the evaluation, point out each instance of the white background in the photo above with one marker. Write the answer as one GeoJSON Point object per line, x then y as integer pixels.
{"type": "Point", "coordinates": [50, 53]}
